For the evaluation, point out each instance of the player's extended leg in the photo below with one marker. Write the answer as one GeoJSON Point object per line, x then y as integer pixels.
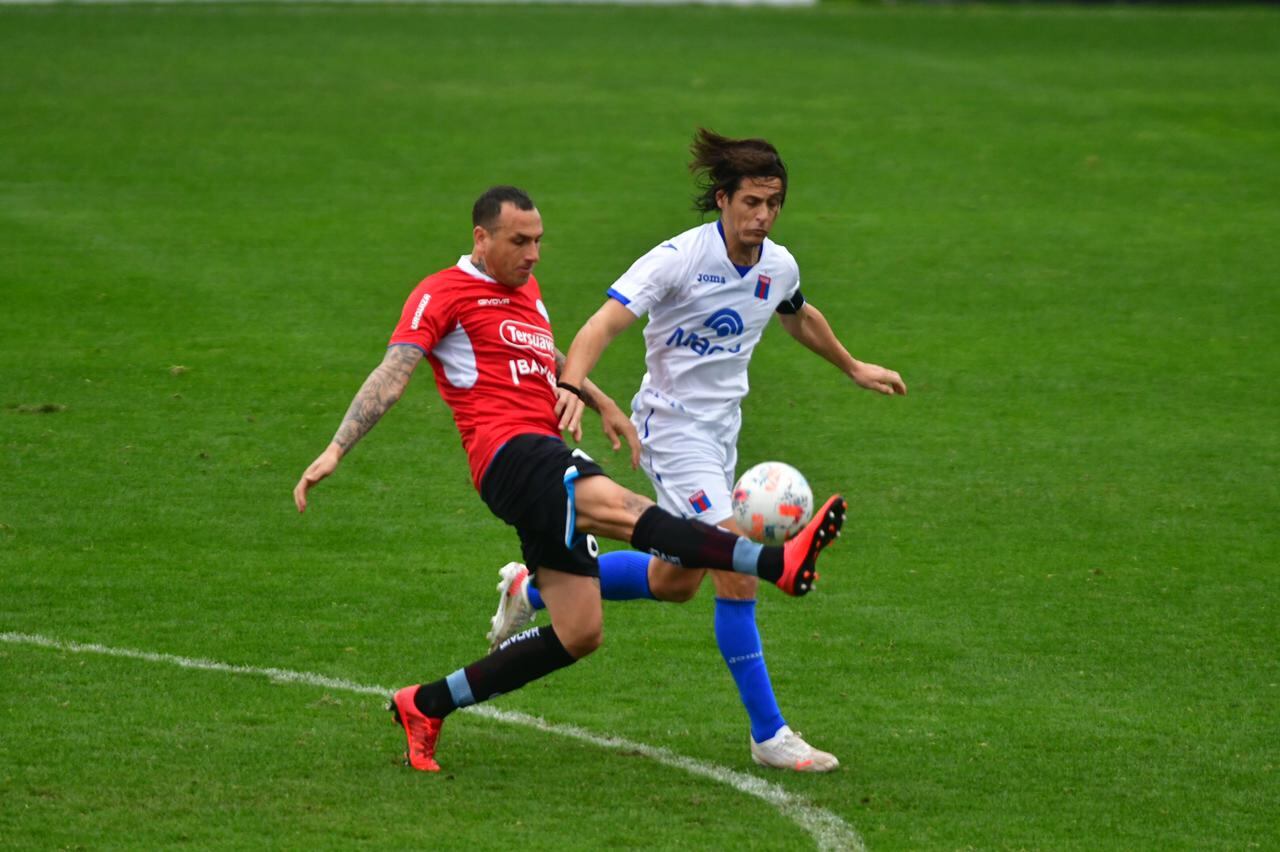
{"type": "Point", "coordinates": [606, 508]}
{"type": "Point", "coordinates": [628, 575]}
{"type": "Point", "coordinates": [575, 631]}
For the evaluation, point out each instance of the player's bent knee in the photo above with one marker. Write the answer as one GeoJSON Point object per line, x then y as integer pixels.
{"type": "Point", "coordinates": [581, 643]}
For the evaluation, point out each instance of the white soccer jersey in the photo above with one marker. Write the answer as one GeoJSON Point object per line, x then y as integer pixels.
{"type": "Point", "coordinates": [705, 318]}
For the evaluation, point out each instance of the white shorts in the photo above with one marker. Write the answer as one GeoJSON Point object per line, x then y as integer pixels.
{"type": "Point", "coordinates": [690, 462]}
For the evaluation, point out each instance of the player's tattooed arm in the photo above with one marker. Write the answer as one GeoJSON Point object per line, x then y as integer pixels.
{"type": "Point", "coordinates": [378, 393]}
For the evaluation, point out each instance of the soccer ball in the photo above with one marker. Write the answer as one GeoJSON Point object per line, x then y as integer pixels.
{"type": "Point", "coordinates": [772, 502]}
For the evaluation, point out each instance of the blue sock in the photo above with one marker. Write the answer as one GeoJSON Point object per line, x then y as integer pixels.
{"type": "Point", "coordinates": [624, 576]}
{"type": "Point", "coordinates": [739, 642]}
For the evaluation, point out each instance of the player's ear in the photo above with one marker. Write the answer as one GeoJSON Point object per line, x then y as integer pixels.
{"type": "Point", "coordinates": [722, 199]}
{"type": "Point", "coordinates": [479, 234]}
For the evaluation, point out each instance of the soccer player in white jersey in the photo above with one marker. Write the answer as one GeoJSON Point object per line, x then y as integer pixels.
{"type": "Point", "coordinates": [709, 293]}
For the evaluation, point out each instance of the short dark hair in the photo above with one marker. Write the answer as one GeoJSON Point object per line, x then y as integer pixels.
{"type": "Point", "coordinates": [488, 207]}
{"type": "Point", "coordinates": [720, 164]}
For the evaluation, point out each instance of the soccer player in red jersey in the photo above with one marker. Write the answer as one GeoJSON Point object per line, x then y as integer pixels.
{"type": "Point", "coordinates": [483, 327]}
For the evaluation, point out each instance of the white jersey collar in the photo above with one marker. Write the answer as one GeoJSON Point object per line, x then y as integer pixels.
{"type": "Point", "coordinates": [465, 264]}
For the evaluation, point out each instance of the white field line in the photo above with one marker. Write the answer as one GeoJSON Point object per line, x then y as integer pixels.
{"type": "Point", "coordinates": [828, 831]}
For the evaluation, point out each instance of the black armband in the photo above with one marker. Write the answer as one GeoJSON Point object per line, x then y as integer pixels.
{"type": "Point", "coordinates": [571, 389]}
{"type": "Point", "coordinates": [792, 305]}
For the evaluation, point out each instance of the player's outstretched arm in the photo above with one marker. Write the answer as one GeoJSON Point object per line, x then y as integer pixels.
{"type": "Point", "coordinates": [811, 329]}
{"type": "Point", "coordinates": [585, 351]}
{"type": "Point", "coordinates": [378, 393]}
{"type": "Point", "coordinates": [615, 422]}
{"type": "Point", "coordinates": [618, 427]}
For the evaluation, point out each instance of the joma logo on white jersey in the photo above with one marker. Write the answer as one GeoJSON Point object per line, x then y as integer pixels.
{"type": "Point", "coordinates": [522, 335]}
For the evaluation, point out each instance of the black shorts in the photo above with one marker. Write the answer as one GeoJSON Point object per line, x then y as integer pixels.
{"type": "Point", "coordinates": [529, 484]}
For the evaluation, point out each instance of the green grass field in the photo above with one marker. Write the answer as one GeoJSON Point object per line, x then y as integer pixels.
{"type": "Point", "coordinates": [1051, 622]}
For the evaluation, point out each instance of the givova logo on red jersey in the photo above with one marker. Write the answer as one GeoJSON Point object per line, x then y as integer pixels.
{"type": "Point", "coordinates": [522, 335]}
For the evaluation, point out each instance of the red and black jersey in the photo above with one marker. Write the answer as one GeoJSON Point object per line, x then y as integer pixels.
{"type": "Point", "coordinates": [493, 355]}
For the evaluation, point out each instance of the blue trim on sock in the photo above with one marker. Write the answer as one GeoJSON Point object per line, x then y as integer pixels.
{"type": "Point", "coordinates": [624, 575]}
{"type": "Point", "coordinates": [746, 556]}
{"type": "Point", "coordinates": [739, 641]}
{"type": "Point", "coordinates": [460, 689]}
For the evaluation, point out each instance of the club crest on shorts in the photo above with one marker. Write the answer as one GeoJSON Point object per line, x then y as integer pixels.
{"type": "Point", "coordinates": [700, 502]}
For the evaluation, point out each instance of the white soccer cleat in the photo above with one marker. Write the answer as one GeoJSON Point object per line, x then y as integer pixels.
{"type": "Point", "coordinates": [786, 750]}
{"type": "Point", "coordinates": [514, 610]}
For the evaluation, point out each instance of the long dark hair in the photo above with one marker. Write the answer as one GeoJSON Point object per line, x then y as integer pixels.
{"type": "Point", "coordinates": [720, 163]}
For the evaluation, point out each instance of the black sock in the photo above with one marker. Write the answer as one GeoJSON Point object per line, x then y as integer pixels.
{"type": "Point", "coordinates": [523, 658]}
{"type": "Point", "coordinates": [770, 565]}
{"type": "Point", "coordinates": [433, 699]}
{"type": "Point", "coordinates": [693, 544]}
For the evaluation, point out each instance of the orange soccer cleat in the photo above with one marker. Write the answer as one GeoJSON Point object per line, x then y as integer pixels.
{"type": "Point", "coordinates": [422, 731]}
{"type": "Point", "coordinates": [800, 554]}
